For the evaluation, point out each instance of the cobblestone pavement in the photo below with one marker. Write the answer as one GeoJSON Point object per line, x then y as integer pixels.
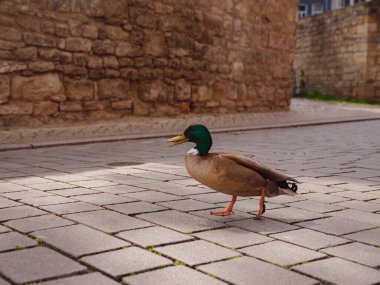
{"type": "Point", "coordinates": [302, 112]}
{"type": "Point", "coordinates": [127, 212]}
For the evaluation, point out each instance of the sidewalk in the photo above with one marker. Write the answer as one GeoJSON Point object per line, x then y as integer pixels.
{"type": "Point", "coordinates": [128, 213]}
{"type": "Point", "coordinates": [302, 113]}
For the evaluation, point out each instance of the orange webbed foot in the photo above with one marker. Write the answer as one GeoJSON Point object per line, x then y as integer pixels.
{"type": "Point", "coordinates": [222, 213]}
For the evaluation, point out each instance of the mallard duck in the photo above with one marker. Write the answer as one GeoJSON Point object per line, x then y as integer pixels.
{"type": "Point", "coordinates": [231, 173]}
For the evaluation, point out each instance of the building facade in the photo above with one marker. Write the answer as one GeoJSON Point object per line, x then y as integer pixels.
{"type": "Point", "coordinates": [313, 7]}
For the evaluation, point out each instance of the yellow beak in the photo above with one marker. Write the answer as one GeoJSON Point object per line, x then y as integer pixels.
{"type": "Point", "coordinates": [178, 139]}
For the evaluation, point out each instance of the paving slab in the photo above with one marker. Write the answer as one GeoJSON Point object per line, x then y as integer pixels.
{"type": "Point", "coordinates": [315, 206]}
{"type": "Point", "coordinates": [324, 198]}
{"type": "Point", "coordinates": [14, 240]}
{"type": "Point", "coordinates": [11, 187]}
{"type": "Point", "coordinates": [74, 192]}
{"type": "Point", "coordinates": [358, 216]}
{"type": "Point", "coordinates": [19, 212]}
{"type": "Point", "coordinates": [78, 240]}
{"type": "Point", "coordinates": [245, 270]}
{"type": "Point", "coordinates": [153, 236]}
{"type": "Point", "coordinates": [69, 208]}
{"type": "Point", "coordinates": [233, 237]}
{"type": "Point", "coordinates": [361, 196]}
{"type": "Point", "coordinates": [292, 215]}
{"type": "Point", "coordinates": [281, 253]}
{"type": "Point", "coordinates": [51, 186]}
{"type": "Point", "coordinates": [369, 236]}
{"type": "Point", "coordinates": [28, 265]}
{"type": "Point", "coordinates": [237, 215]}
{"type": "Point", "coordinates": [135, 208]}
{"type": "Point", "coordinates": [179, 221]}
{"type": "Point", "coordinates": [3, 282]}
{"type": "Point", "coordinates": [94, 183]}
{"type": "Point", "coordinates": [95, 278]}
{"type": "Point", "coordinates": [25, 194]}
{"type": "Point", "coordinates": [103, 199]}
{"type": "Point", "coordinates": [153, 196]}
{"type": "Point", "coordinates": [197, 252]}
{"type": "Point", "coordinates": [360, 205]}
{"type": "Point", "coordinates": [187, 205]}
{"type": "Point", "coordinates": [125, 261]}
{"type": "Point", "coordinates": [108, 221]}
{"type": "Point", "coordinates": [47, 200]}
{"type": "Point", "coordinates": [119, 189]}
{"type": "Point", "coordinates": [172, 275]}
{"type": "Point", "coordinates": [340, 271]}
{"type": "Point", "coordinates": [6, 203]}
{"type": "Point", "coordinates": [357, 252]}
{"type": "Point", "coordinates": [310, 239]}
{"type": "Point", "coordinates": [335, 226]}
{"type": "Point", "coordinates": [4, 229]}
{"type": "Point", "coordinates": [264, 226]}
{"type": "Point", "coordinates": [31, 224]}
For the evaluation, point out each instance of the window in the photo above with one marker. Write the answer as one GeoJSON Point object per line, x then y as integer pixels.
{"type": "Point", "coordinates": [317, 8]}
{"type": "Point", "coordinates": [339, 4]}
{"type": "Point", "coordinates": [302, 11]}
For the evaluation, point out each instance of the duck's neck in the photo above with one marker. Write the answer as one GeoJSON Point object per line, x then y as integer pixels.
{"type": "Point", "coordinates": [203, 148]}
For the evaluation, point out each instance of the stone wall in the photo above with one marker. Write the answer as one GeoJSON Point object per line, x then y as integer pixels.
{"type": "Point", "coordinates": [339, 52]}
{"type": "Point", "coordinates": [72, 60]}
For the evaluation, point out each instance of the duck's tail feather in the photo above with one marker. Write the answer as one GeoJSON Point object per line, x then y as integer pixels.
{"type": "Point", "coordinates": [287, 187]}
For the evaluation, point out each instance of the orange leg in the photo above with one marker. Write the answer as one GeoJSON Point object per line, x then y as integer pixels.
{"type": "Point", "coordinates": [262, 206]}
{"type": "Point", "coordinates": [229, 209]}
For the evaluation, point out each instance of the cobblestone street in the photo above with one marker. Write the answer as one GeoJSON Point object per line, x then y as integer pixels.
{"type": "Point", "coordinates": [127, 212]}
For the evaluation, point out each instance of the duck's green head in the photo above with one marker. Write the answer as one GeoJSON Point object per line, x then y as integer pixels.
{"type": "Point", "coordinates": [197, 134]}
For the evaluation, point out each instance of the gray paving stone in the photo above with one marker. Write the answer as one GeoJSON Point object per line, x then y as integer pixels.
{"type": "Point", "coordinates": [176, 189]}
{"type": "Point", "coordinates": [282, 199]}
{"type": "Point", "coordinates": [4, 229]}
{"type": "Point", "coordinates": [282, 253]}
{"type": "Point", "coordinates": [357, 252]}
{"type": "Point", "coordinates": [95, 278]}
{"type": "Point", "coordinates": [108, 221]}
{"type": "Point", "coordinates": [70, 208]}
{"type": "Point", "coordinates": [179, 221]}
{"type": "Point", "coordinates": [237, 215]}
{"type": "Point", "coordinates": [153, 236]}
{"type": "Point", "coordinates": [292, 215]}
{"type": "Point", "coordinates": [135, 208]}
{"type": "Point", "coordinates": [47, 200]}
{"type": "Point", "coordinates": [30, 180]}
{"type": "Point", "coordinates": [11, 187]}
{"type": "Point", "coordinates": [119, 189]}
{"type": "Point", "coordinates": [94, 183]}
{"type": "Point", "coordinates": [34, 264]}
{"type": "Point", "coordinates": [196, 252]}
{"type": "Point", "coordinates": [315, 206]}
{"type": "Point", "coordinates": [78, 240]}
{"type": "Point", "coordinates": [19, 212]}
{"type": "Point", "coordinates": [340, 271]}
{"type": "Point", "coordinates": [359, 216]}
{"type": "Point", "coordinates": [153, 196]}
{"type": "Point", "coordinates": [172, 275]}
{"type": "Point", "coordinates": [335, 226]}
{"type": "Point", "coordinates": [324, 198]}
{"type": "Point", "coordinates": [64, 177]}
{"type": "Point", "coordinates": [246, 270]}
{"type": "Point", "coordinates": [369, 236]}
{"type": "Point", "coordinates": [74, 192]}
{"type": "Point", "coordinates": [214, 197]}
{"type": "Point", "coordinates": [310, 239]}
{"type": "Point", "coordinates": [359, 205]}
{"type": "Point", "coordinates": [103, 199]}
{"type": "Point", "coordinates": [25, 194]}
{"type": "Point", "coordinates": [356, 195]}
{"type": "Point", "coordinates": [12, 240]}
{"type": "Point", "coordinates": [233, 237]}
{"type": "Point", "coordinates": [187, 205]}
{"type": "Point", "coordinates": [6, 203]}
{"type": "Point", "coordinates": [122, 262]}
{"type": "Point", "coordinates": [310, 187]}
{"type": "Point", "coordinates": [51, 186]}
{"type": "Point", "coordinates": [27, 225]}
{"type": "Point", "coordinates": [263, 226]}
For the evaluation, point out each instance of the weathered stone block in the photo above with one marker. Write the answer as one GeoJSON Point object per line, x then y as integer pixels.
{"type": "Point", "coordinates": [26, 53]}
{"type": "Point", "coordinates": [182, 90]}
{"type": "Point", "coordinates": [10, 34]}
{"type": "Point", "coordinates": [122, 105]}
{"type": "Point", "coordinates": [41, 66]}
{"type": "Point", "coordinates": [153, 92]}
{"type": "Point", "coordinates": [110, 62]}
{"type": "Point", "coordinates": [37, 88]}
{"type": "Point", "coordinates": [70, 106]}
{"type": "Point", "coordinates": [78, 44]}
{"type": "Point", "coordinates": [154, 43]}
{"type": "Point", "coordinates": [94, 62]}
{"type": "Point", "coordinates": [126, 49]}
{"type": "Point", "coordinates": [4, 89]}
{"type": "Point", "coordinates": [77, 90]}
{"type": "Point", "coordinates": [10, 66]}
{"type": "Point", "coordinates": [45, 108]}
{"type": "Point", "coordinates": [16, 108]}
{"type": "Point", "coordinates": [103, 47]}
{"type": "Point", "coordinates": [113, 88]}
{"type": "Point", "coordinates": [39, 40]}
{"type": "Point", "coordinates": [90, 32]}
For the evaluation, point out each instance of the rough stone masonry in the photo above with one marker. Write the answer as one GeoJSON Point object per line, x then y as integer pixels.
{"type": "Point", "coordinates": [74, 60]}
